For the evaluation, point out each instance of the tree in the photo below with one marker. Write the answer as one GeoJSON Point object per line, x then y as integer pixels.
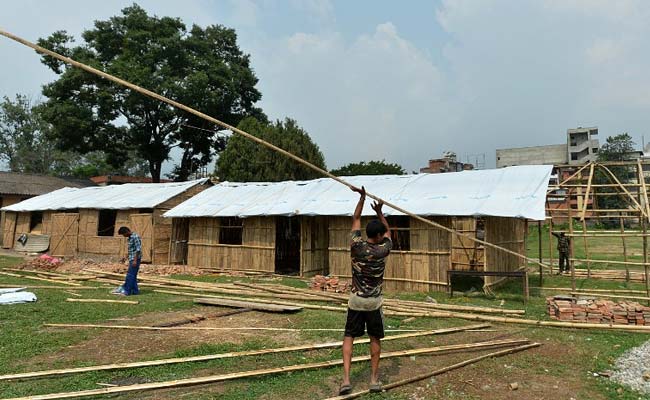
{"type": "Point", "coordinates": [369, 168]}
{"type": "Point", "coordinates": [202, 68]}
{"type": "Point", "coordinates": [246, 161]}
{"type": "Point", "coordinates": [616, 148]}
{"type": "Point", "coordinates": [24, 145]}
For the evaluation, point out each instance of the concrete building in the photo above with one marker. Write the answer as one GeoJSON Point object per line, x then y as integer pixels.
{"type": "Point", "coordinates": [581, 147]}
{"type": "Point", "coordinates": [448, 163]}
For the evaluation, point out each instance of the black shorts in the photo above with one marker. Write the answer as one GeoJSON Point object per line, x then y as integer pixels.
{"type": "Point", "coordinates": [358, 321]}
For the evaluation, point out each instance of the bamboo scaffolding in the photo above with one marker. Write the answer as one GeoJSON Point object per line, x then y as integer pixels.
{"type": "Point", "coordinates": [102, 301]}
{"type": "Point", "coordinates": [273, 371]}
{"type": "Point", "coordinates": [622, 186]}
{"type": "Point", "coordinates": [253, 138]}
{"type": "Point", "coordinates": [440, 371]}
{"type": "Point", "coordinates": [177, 360]}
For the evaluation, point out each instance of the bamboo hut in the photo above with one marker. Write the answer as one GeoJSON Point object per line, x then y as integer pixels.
{"type": "Point", "coordinates": [84, 221]}
{"type": "Point", "coordinates": [303, 228]}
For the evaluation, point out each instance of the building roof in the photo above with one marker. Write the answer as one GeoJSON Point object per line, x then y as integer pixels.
{"type": "Point", "coordinates": [114, 197]}
{"type": "Point", "coordinates": [34, 185]}
{"type": "Point", "coordinates": [121, 179]}
{"type": "Point", "coordinates": [506, 192]}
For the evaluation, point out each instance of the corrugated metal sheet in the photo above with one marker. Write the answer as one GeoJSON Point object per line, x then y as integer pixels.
{"type": "Point", "coordinates": [506, 192]}
{"type": "Point", "coordinates": [116, 197]}
{"type": "Point", "coordinates": [35, 185]}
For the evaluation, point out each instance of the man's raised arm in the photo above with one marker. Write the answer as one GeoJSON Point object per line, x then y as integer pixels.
{"type": "Point", "coordinates": [380, 215]}
{"type": "Point", "coordinates": [356, 217]}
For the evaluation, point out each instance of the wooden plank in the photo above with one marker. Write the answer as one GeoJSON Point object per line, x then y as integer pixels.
{"type": "Point", "coordinates": [166, 361]}
{"type": "Point", "coordinates": [272, 371]}
{"type": "Point", "coordinates": [279, 308]}
{"type": "Point", "coordinates": [102, 301]}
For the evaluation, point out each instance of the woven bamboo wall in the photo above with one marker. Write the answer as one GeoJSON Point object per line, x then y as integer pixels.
{"type": "Point", "coordinates": [256, 252]}
{"type": "Point", "coordinates": [314, 238]}
{"type": "Point", "coordinates": [466, 254]}
{"type": "Point", "coordinates": [509, 233]}
{"type": "Point", "coordinates": [428, 259]}
{"type": "Point", "coordinates": [9, 229]}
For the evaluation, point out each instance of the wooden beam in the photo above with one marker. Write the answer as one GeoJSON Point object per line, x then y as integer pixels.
{"type": "Point", "coordinates": [272, 371]}
{"type": "Point", "coordinates": [166, 361]}
{"type": "Point", "coordinates": [102, 301]}
{"type": "Point", "coordinates": [269, 307]}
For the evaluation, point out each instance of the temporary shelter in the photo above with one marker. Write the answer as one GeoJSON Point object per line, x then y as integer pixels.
{"type": "Point", "coordinates": [303, 228]}
{"type": "Point", "coordinates": [85, 221]}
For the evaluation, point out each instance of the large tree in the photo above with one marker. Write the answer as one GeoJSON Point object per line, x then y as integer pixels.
{"type": "Point", "coordinates": [246, 161]}
{"type": "Point", "coordinates": [24, 146]}
{"type": "Point", "coordinates": [616, 148]}
{"type": "Point", "coordinates": [369, 168]}
{"type": "Point", "coordinates": [202, 68]}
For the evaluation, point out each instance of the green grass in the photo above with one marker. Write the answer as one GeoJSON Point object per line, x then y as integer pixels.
{"type": "Point", "coordinates": [23, 340]}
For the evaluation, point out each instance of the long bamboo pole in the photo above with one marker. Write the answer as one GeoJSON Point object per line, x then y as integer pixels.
{"type": "Point", "coordinates": [208, 328]}
{"type": "Point", "coordinates": [539, 248]}
{"type": "Point", "coordinates": [207, 357]}
{"type": "Point", "coordinates": [586, 196]}
{"type": "Point", "coordinates": [571, 265]}
{"type": "Point", "coordinates": [271, 371]}
{"type": "Point", "coordinates": [255, 139]}
{"type": "Point", "coordinates": [35, 278]}
{"type": "Point", "coordinates": [563, 183]}
{"type": "Point", "coordinates": [627, 268]}
{"type": "Point", "coordinates": [440, 371]}
{"type": "Point", "coordinates": [101, 301]}
{"type": "Point", "coordinates": [4, 285]}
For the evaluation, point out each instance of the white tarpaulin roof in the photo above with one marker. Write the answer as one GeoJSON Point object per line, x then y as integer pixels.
{"type": "Point", "coordinates": [507, 192]}
{"type": "Point", "coordinates": [114, 197]}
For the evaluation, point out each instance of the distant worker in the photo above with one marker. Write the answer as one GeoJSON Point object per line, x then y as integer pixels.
{"type": "Point", "coordinates": [364, 305]}
{"type": "Point", "coordinates": [563, 242]}
{"type": "Point", "coordinates": [134, 246]}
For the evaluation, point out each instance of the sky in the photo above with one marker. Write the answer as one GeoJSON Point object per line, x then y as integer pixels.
{"type": "Point", "coordinates": [406, 81]}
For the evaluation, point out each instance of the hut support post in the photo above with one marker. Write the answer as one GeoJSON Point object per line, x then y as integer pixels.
{"type": "Point", "coordinates": [627, 267]}
{"type": "Point", "coordinates": [571, 254]}
{"type": "Point", "coordinates": [539, 246]}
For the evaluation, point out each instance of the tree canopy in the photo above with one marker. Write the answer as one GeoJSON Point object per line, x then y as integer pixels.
{"type": "Point", "coordinates": [369, 168]}
{"type": "Point", "coordinates": [200, 67]}
{"type": "Point", "coordinates": [246, 161]}
{"type": "Point", "coordinates": [616, 148]}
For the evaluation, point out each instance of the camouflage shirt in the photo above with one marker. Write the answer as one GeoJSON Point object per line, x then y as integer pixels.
{"type": "Point", "coordinates": [562, 242]}
{"type": "Point", "coordinates": [368, 264]}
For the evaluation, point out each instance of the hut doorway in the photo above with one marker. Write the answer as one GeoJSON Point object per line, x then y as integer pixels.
{"type": "Point", "coordinates": [287, 246]}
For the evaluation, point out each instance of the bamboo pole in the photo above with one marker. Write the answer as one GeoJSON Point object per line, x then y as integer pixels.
{"type": "Point", "coordinates": [177, 360]}
{"type": "Point", "coordinates": [102, 301]}
{"type": "Point", "coordinates": [627, 268]}
{"type": "Point", "coordinates": [439, 306]}
{"type": "Point", "coordinates": [271, 371]}
{"type": "Point", "coordinates": [440, 371]}
{"type": "Point", "coordinates": [586, 197]}
{"type": "Point", "coordinates": [322, 296]}
{"type": "Point", "coordinates": [641, 178]}
{"type": "Point", "coordinates": [73, 293]}
{"type": "Point", "coordinates": [571, 265]}
{"type": "Point", "coordinates": [550, 243]}
{"type": "Point", "coordinates": [51, 287]}
{"type": "Point", "coordinates": [613, 262]}
{"type": "Point", "coordinates": [613, 296]}
{"type": "Point", "coordinates": [207, 328]}
{"type": "Point", "coordinates": [563, 183]}
{"type": "Point", "coordinates": [35, 278]}
{"type": "Point", "coordinates": [566, 289]}
{"type": "Point", "coordinates": [539, 248]}
{"type": "Point", "coordinates": [255, 139]}
{"type": "Point", "coordinates": [645, 260]}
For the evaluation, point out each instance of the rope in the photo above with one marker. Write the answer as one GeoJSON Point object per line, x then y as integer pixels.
{"type": "Point", "coordinates": [224, 125]}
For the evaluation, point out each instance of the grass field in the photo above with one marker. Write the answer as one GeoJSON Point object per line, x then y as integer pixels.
{"type": "Point", "coordinates": [562, 368]}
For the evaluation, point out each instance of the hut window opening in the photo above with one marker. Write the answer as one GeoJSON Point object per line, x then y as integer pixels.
{"type": "Point", "coordinates": [230, 231]}
{"type": "Point", "coordinates": [400, 228]}
{"type": "Point", "coordinates": [106, 223]}
{"type": "Point", "coordinates": [145, 211]}
{"type": "Point", "coordinates": [36, 221]}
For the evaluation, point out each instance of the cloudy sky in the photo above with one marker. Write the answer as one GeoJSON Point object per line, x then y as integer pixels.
{"type": "Point", "coordinates": [405, 81]}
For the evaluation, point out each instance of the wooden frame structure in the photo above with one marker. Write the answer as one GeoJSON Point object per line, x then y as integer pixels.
{"type": "Point", "coordinates": [75, 232]}
{"type": "Point", "coordinates": [324, 248]}
{"type": "Point", "coordinates": [581, 189]}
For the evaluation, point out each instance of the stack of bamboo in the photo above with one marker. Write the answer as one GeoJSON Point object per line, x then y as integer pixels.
{"type": "Point", "coordinates": [598, 311]}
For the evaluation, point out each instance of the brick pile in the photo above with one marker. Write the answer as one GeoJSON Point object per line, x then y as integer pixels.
{"type": "Point", "coordinates": [329, 284]}
{"type": "Point", "coordinates": [597, 311]}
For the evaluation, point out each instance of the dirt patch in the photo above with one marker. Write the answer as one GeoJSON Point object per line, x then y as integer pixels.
{"type": "Point", "coordinates": [112, 346]}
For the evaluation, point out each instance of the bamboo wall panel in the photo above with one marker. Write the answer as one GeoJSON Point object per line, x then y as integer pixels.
{"type": "Point", "coordinates": [178, 242]}
{"type": "Point", "coordinates": [9, 230]}
{"type": "Point", "coordinates": [22, 223]}
{"type": "Point", "coordinates": [510, 234]}
{"type": "Point", "coordinates": [8, 200]}
{"type": "Point", "coordinates": [142, 224]}
{"type": "Point", "coordinates": [47, 222]}
{"type": "Point", "coordinates": [65, 231]}
{"type": "Point", "coordinates": [256, 252]}
{"type": "Point", "coordinates": [314, 246]}
{"type": "Point", "coordinates": [466, 254]}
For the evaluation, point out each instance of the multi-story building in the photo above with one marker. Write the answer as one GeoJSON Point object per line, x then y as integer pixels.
{"type": "Point", "coordinates": [448, 163]}
{"type": "Point", "coordinates": [581, 147]}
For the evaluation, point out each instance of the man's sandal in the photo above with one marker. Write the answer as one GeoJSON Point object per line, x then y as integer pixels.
{"type": "Point", "coordinates": [345, 389]}
{"type": "Point", "coordinates": [376, 387]}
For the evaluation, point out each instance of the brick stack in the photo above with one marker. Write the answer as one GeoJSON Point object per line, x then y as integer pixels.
{"type": "Point", "coordinates": [329, 284]}
{"type": "Point", "coordinates": [597, 311]}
